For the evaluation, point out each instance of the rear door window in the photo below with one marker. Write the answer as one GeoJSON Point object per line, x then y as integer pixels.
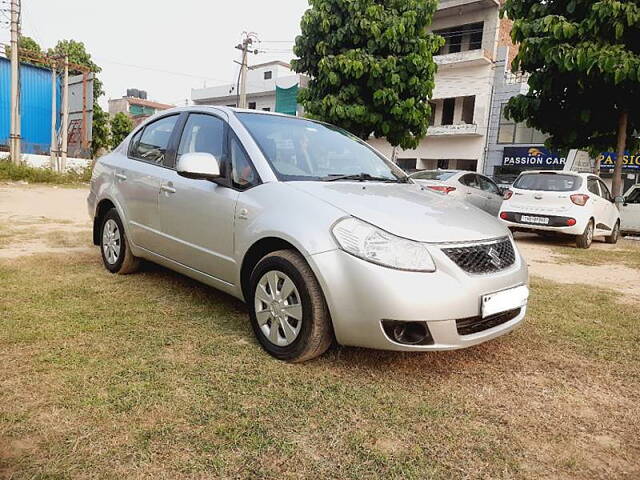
{"type": "Point", "coordinates": [548, 182]}
{"type": "Point", "coordinates": [592, 186]}
{"type": "Point", "coordinates": [470, 180]}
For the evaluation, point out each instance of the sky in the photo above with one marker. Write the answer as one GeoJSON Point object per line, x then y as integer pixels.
{"type": "Point", "coordinates": [164, 47]}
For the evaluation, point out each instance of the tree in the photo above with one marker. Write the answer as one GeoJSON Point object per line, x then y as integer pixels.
{"type": "Point", "coordinates": [101, 134]}
{"type": "Point", "coordinates": [371, 66]}
{"type": "Point", "coordinates": [29, 45]}
{"type": "Point", "coordinates": [121, 126]}
{"type": "Point", "coordinates": [78, 54]}
{"type": "Point", "coordinates": [584, 61]}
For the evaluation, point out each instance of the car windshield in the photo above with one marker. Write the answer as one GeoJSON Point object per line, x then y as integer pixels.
{"type": "Point", "coordinates": [548, 182]}
{"type": "Point", "coordinates": [299, 149]}
{"type": "Point", "coordinates": [433, 175]}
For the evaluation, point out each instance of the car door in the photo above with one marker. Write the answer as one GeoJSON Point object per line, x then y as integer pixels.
{"type": "Point", "coordinates": [597, 203]}
{"type": "Point", "coordinates": [471, 190]}
{"type": "Point", "coordinates": [630, 211]}
{"type": "Point", "coordinates": [610, 212]}
{"type": "Point", "coordinates": [138, 180]}
{"type": "Point", "coordinates": [493, 199]}
{"type": "Point", "coordinates": [197, 216]}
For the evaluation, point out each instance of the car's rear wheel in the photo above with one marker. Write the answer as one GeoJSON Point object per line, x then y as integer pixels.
{"type": "Point", "coordinates": [615, 234]}
{"type": "Point", "coordinates": [289, 314]}
{"type": "Point", "coordinates": [586, 239]}
{"type": "Point", "coordinates": [114, 246]}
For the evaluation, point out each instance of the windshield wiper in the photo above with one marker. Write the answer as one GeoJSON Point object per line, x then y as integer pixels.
{"type": "Point", "coordinates": [361, 177]}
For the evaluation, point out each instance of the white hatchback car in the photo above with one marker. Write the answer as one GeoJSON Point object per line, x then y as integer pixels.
{"type": "Point", "coordinates": [570, 203]}
{"type": "Point", "coordinates": [463, 185]}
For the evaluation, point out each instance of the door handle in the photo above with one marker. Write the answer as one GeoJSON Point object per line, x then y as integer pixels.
{"type": "Point", "coordinates": [121, 176]}
{"type": "Point", "coordinates": [167, 189]}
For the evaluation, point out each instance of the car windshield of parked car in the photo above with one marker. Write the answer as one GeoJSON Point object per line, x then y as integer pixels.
{"type": "Point", "coordinates": [548, 182]}
{"type": "Point", "coordinates": [299, 149]}
{"type": "Point", "coordinates": [433, 175]}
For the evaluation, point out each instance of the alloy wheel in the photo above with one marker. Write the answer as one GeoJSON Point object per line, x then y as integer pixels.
{"type": "Point", "coordinates": [278, 308]}
{"type": "Point", "coordinates": [111, 241]}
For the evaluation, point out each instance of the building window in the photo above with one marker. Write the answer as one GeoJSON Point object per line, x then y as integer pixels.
{"type": "Point", "coordinates": [268, 75]}
{"type": "Point", "coordinates": [512, 132]}
{"type": "Point", "coordinates": [468, 107]}
{"type": "Point", "coordinates": [231, 105]}
{"type": "Point", "coordinates": [266, 109]}
{"type": "Point", "coordinates": [408, 164]}
{"type": "Point", "coordinates": [470, 165]}
{"type": "Point", "coordinates": [252, 105]}
{"type": "Point", "coordinates": [448, 109]}
{"type": "Point", "coordinates": [443, 164]}
{"type": "Point", "coordinates": [461, 38]}
{"type": "Point", "coordinates": [432, 117]}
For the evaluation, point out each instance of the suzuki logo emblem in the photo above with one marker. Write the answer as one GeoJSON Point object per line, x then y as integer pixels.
{"type": "Point", "coordinates": [495, 257]}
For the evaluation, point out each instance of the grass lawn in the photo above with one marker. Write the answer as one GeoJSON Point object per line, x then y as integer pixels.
{"type": "Point", "coordinates": [156, 376]}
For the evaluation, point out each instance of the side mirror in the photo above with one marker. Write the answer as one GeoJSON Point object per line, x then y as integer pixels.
{"type": "Point", "coordinates": [620, 200]}
{"type": "Point", "coordinates": [199, 166]}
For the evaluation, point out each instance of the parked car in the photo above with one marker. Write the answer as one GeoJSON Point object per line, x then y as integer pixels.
{"type": "Point", "coordinates": [630, 211]}
{"type": "Point", "coordinates": [316, 231]}
{"type": "Point", "coordinates": [577, 204]}
{"type": "Point", "coordinates": [476, 189]}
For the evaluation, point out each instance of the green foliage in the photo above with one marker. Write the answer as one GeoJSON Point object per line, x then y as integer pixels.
{"type": "Point", "coordinates": [121, 126]}
{"type": "Point", "coordinates": [13, 172]}
{"type": "Point", "coordinates": [584, 60]}
{"type": "Point", "coordinates": [372, 68]}
{"type": "Point", "coordinates": [101, 137]}
{"type": "Point", "coordinates": [78, 54]}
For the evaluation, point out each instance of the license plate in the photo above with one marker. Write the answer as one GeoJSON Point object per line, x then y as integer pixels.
{"type": "Point", "coordinates": [504, 301]}
{"type": "Point", "coordinates": [537, 220]}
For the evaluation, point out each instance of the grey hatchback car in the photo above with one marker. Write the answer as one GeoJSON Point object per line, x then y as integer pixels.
{"type": "Point", "coordinates": [317, 232]}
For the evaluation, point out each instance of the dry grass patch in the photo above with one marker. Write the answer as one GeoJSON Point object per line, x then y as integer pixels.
{"type": "Point", "coordinates": [156, 376]}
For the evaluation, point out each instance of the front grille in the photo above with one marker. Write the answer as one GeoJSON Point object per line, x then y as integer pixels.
{"type": "Point", "coordinates": [484, 257]}
{"type": "Point", "coordinates": [467, 326]}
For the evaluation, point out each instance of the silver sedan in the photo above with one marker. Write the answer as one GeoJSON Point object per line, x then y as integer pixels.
{"type": "Point", "coordinates": [323, 237]}
{"type": "Point", "coordinates": [469, 187]}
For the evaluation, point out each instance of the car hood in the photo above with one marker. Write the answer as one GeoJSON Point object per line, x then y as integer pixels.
{"type": "Point", "coordinates": [408, 210]}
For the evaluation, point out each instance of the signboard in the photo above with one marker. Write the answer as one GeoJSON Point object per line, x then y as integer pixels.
{"type": "Point", "coordinates": [608, 161]}
{"type": "Point", "coordinates": [535, 158]}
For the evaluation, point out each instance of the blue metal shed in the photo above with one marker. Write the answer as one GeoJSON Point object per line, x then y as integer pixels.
{"type": "Point", "coordinates": [35, 106]}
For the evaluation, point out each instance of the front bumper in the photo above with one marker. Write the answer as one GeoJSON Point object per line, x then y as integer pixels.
{"type": "Point", "coordinates": [360, 295]}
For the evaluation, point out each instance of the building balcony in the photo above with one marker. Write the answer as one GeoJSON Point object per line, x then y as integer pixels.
{"type": "Point", "coordinates": [464, 59]}
{"type": "Point", "coordinates": [455, 7]}
{"type": "Point", "coordinates": [461, 130]}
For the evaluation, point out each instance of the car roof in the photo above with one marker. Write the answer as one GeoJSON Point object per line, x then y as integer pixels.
{"type": "Point", "coordinates": [558, 172]}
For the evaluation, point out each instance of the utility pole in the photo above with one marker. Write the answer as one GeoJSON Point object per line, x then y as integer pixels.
{"type": "Point", "coordinates": [54, 116]}
{"type": "Point", "coordinates": [15, 90]}
{"type": "Point", "coordinates": [247, 42]}
{"type": "Point", "coordinates": [65, 115]}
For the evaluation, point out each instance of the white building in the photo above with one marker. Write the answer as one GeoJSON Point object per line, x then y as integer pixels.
{"type": "Point", "coordinates": [462, 97]}
{"type": "Point", "coordinates": [271, 86]}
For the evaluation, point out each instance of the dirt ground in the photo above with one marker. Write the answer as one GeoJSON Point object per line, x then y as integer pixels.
{"type": "Point", "coordinates": [45, 219]}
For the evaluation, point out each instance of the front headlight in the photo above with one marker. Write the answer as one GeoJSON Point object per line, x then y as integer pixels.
{"type": "Point", "coordinates": [377, 246]}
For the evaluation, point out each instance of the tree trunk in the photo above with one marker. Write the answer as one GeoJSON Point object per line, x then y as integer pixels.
{"type": "Point", "coordinates": [623, 123]}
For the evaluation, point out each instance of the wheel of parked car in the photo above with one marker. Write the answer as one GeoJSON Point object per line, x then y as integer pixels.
{"type": "Point", "coordinates": [116, 254]}
{"type": "Point", "coordinates": [289, 314]}
{"type": "Point", "coordinates": [615, 234]}
{"type": "Point", "coordinates": [586, 239]}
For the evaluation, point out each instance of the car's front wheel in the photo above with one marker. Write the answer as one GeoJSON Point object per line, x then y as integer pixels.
{"type": "Point", "coordinates": [586, 239]}
{"type": "Point", "coordinates": [114, 246]}
{"type": "Point", "coordinates": [289, 314]}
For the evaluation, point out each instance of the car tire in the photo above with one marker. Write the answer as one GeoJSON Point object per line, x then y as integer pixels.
{"type": "Point", "coordinates": [296, 328]}
{"type": "Point", "coordinates": [114, 246]}
{"type": "Point", "coordinates": [615, 234]}
{"type": "Point", "coordinates": [586, 239]}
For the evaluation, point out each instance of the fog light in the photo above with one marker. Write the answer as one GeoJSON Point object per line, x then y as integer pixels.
{"type": "Point", "coordinates": [408, 333]}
